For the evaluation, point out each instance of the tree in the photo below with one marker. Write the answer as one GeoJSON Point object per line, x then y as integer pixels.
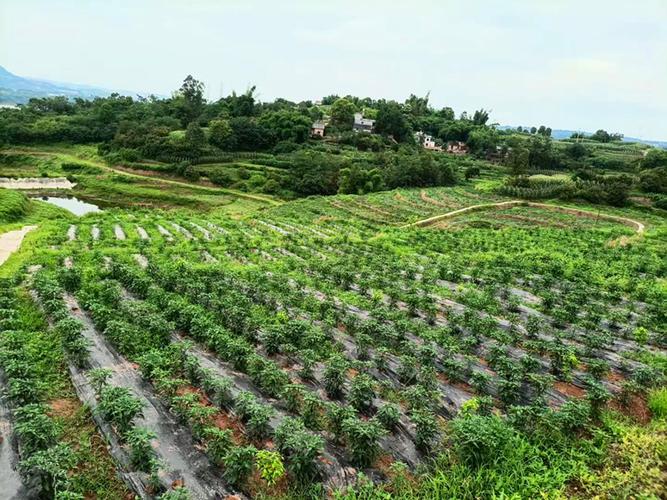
{"type": "Point", "coordinates": [189, 100]}
{"type": "Point", "coordinates": [314, 173]}
{"type": "Point", "coordinates": [654, 158]}
{"type": "Point", "coordinates": [194, 135]}
{"type": "Point", "coordinates": [447, 114]}
{"type": "Point", "coordinates": [576, 151]}
{"type": "Point", "coordinates": [480, 117]}
{"type": "Point", "coordinates": [360, 180]}
{"type": "Point", "coordinates": [517, 160]}
{"type": "Point", "coordinates": [654, 180]}
{"type": "Point", "coordinates": [482, 140]}
{"type": "Point", "coordinates": [392, 121]}
{"type": "Point", "coordinates": [604, 136]}
{"type": "Point", "coordinates": [220, 132]}
{"type": "Point", "coordinates": [287, 125]}
{"type": "Point", "coordinates": [417, 106]}
{"type": "Point", "coordinates": [342, 114]}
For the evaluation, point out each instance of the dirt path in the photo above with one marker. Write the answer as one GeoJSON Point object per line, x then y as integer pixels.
{"type": "Point", "coordinates": [636, 225]}
{"type": "Point", "coordinates": [11, 241]}
{"type": "Point", "coordinates": [120, 171]}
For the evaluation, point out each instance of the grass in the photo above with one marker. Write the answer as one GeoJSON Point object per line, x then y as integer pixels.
{"type": "Point", "coordinates": [13, 205]}
{"type": "Point", "coordinates": [108, 185]}
{"type": "Point", "coordinates": [657, 403]}
{"type": "Point", "coordinates": [620, 460]}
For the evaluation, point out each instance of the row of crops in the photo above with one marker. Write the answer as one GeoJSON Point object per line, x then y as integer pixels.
{"type": "Point", "coordinates": [314, 341]}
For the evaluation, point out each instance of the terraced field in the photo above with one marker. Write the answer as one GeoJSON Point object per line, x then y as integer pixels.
{"type": "Point", "coordinates": [291, 350]}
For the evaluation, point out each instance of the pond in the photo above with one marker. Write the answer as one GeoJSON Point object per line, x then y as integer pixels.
{"type": "Point", "coordinates": [74, 205]}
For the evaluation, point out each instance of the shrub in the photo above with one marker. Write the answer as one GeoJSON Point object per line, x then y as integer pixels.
{"type": "Point", "coordinates": [238, 463]}
{"type": "Point", "coordinates": [119, 407]}
{"type": "Point", "coordinates": [255, 415]}
{"type": "Point", "coordinates": [34, 429]}
{"type": "Point", "coordinates": [334, 376]}
{"type": "Point", "coordinates": [362, 438]}
{"type": "Point", "coordinates": [51, 467]}
{"type": "Point", "coordinates": [270, 466]}
{"type": "Point", "coordinates": [299, 447]}
{"type": "Point", "coordinates": [178, 493]}
{"type": "Point", "coordinates": [218, 443]}
{"type": "Point", "coordinates": [389, 415]}
{"type": "Point", "coordinates": [362, 392]}
{"type": "Point", "coordinates": [427, 428]}
{"type": "Point", "coordinates": [142, 454]}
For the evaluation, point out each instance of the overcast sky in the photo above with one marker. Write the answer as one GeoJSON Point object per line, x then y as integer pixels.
{"type": "Point", "coordinates": [574, 64]}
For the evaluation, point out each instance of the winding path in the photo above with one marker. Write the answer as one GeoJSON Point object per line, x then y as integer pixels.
{"type": "Point", "coordinates": [636, 225]}
{"type": "Point", "coordinates": [120, 171]}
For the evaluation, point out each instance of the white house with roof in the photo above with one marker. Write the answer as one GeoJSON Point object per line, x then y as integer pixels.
{"type": "Point", "coordinates": [362, 124]}
{"type": "Point", "coordinates": [427, 141]}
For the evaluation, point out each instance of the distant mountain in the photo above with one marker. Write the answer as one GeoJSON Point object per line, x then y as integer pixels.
{"type": "Point", "coordinates": [18, 90]}
{"type": "Point", "coordinates": [559, 134]}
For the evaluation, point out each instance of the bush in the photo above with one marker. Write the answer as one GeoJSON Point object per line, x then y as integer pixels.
{"type": "Point", "coordinates": [34, 428]}
{"type": "Point", "coordinates": [389, 415]}
{"type": "Point", "coordinates": [334, 376]}
{"type": "Point", "coordinates": [270, 466]}
{"type": "Point", "coordinates": [238, 463]}
{"type": "Point", "coordinates": [142, 454]}
{"type": "Point", "coordinates": [299, 447]}
{"type": "Point", "coordinates": [119, 407]}
{"type": "Point", "coordinates": [362, 439]}
{"type": "Point", "coordinates": [479, 440]}
{"type": "Point", "coordinates": [427, 429]}
{"type": "Point", "coordinates": [362, 393]}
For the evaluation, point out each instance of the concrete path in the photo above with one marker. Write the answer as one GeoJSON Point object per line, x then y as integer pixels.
{"type": "Point", "coordinates": [11, 241]}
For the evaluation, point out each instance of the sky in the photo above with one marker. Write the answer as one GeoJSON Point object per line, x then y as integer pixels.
{"type": "Point", "coordinates": [569, 64]}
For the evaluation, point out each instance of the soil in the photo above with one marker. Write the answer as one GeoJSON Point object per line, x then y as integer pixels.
{"type": "Point", "coordinates": [636, 408]}
{"type": "Point", "coordinates": [615, 377]}
{"type": "Point", "coordinates": [64, 407]}
{"type": "Point", "coordinates": [569, 389]}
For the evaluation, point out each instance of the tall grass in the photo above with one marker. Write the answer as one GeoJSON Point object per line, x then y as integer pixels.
{"type": "Point", "coordinates": [13, 205]}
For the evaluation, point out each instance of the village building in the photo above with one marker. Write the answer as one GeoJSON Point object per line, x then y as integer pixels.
{"type": "Point", "coordinates": [362, 124]}
{"type": "Point", "coordinates": [457, 148]}
{"type": "Point", "coordinates": [427, 141]}
{"type": "Point", "coordinates": [318, 129]}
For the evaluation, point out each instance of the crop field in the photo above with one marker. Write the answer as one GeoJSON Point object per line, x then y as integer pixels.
{"type": "Point", "coordinates": [324, 344]}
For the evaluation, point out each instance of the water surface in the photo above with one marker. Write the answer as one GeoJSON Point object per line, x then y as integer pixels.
{"type": "Point", "coordinates": [74, 205]}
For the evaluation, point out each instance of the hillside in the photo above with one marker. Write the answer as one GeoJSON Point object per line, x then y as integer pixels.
{"type": "Point", "coordinates": [16, 89]}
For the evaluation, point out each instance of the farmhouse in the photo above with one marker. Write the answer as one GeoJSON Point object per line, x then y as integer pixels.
{"type": "Point", "coordinates": [318, 128]}
{"type": "Point", "coordinates": [427, 141]}
{"type": "Point", "coordinates": [362, 124]}
{"type": "Point", "coordinates": [457, 148]}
